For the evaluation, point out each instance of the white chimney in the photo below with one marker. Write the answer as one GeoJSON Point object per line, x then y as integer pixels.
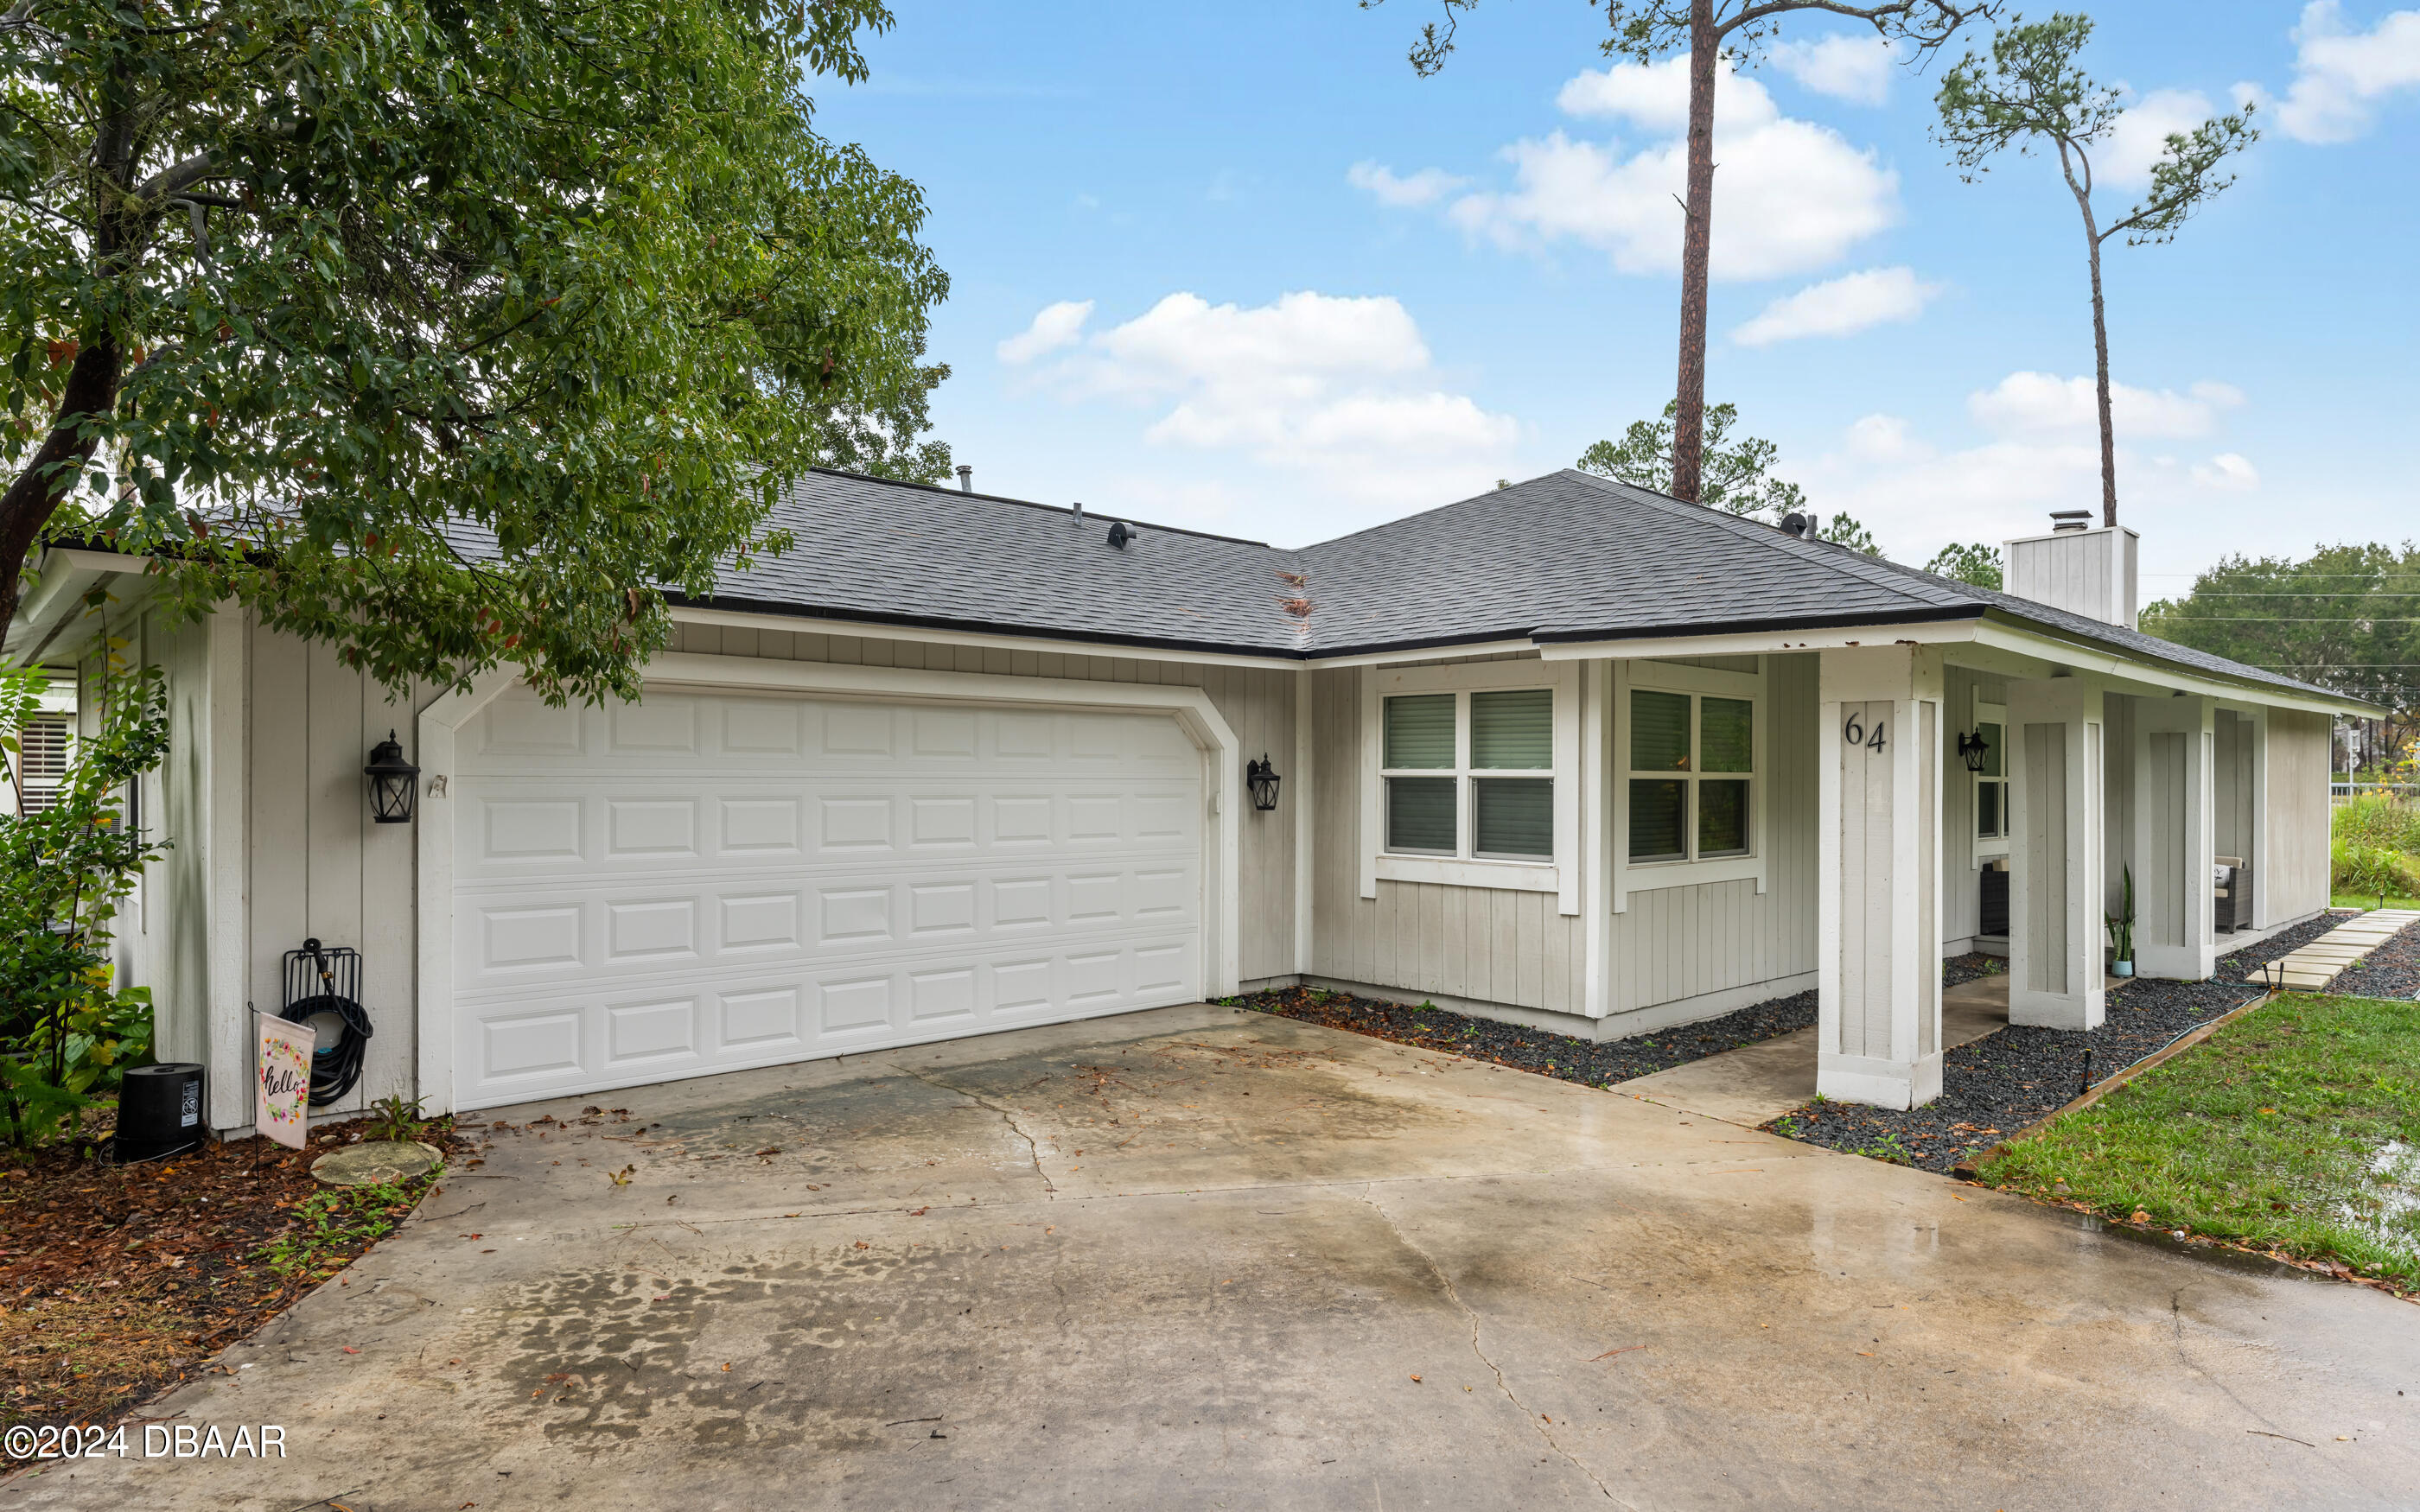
{"type": "Point", "coordinates": [2090, 572]}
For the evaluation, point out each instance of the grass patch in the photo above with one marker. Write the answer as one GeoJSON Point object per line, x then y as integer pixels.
{"type": "Point", "coordinates": [2295, 1128]}
{"type": "Point", "coordinates": [2370, 900]}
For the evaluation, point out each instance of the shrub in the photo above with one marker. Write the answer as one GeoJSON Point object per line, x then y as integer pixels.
{"type": "Point", "coordinates": [2379, 820]}
{"type": "Point", "coordinates": [66, 1030]}
{"type": "Point", "coordinates": [2377, 871]}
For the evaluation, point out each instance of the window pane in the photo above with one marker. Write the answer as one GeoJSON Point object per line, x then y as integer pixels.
{"type": "Point", "coordinates": [1657, 811]}
{"type": "Point", "coordinates": [1516, 817]}
{"type": "Point", "coordinates": [1991, 734]}
{"type": "Point", "coordinates": [1514, 728]}
{"type": "Point", "coordinates": [1419, 813]}
{"type": "Point", "coordinates": [1420, 731]}
{"type": "Point", "coordinates": [1722, 818]}
{"type": "Point", "coordinates": [1726, 736]}
{"type": "Point", "coordinates": [1987, 809]}
{"type": "Point", "coordinates": [1659, 731]}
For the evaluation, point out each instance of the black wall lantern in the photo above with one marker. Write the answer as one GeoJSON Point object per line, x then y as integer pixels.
{"type": "Point", "coordinates": [1971, 749]}
{"type": "Point", "coordinates": [1262, 779]}
{"type": "Point", "coordinates": [395, 783]}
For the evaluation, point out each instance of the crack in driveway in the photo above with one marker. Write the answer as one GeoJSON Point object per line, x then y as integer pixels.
{"type": "Point", "coordinates": [1444, 1284]}
{"type": "Point", "coordinates": [1032, 1150]}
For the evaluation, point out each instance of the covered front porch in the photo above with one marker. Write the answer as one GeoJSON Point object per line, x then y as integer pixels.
{"type": "Point", "coordinates": [1981, 799]}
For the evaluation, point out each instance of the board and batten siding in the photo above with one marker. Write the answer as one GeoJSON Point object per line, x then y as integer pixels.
{"type": "Point", "coordinates": [2293, 879]}
{"type": "Point", "coordinates": [1257, 702]}
{"type": "Point", "coordinates": [1674, 944]}
{"type": "Point", "coordinates": [1482, 945]}
{"type": "Point", "coordinates": [1494, 946]}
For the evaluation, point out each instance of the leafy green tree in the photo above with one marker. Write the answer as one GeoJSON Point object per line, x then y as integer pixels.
{"type": "Point", "coordinates": [447, 333]}
{"type": "Point", "coordinates": [1975, 563]}
{"type": "Point", "coordinates": [1841, 531]}
{"type": "Point", "coordinates": [2030, 92]}
{"type": "Point", "coordinates": [1736, 476]}
{"type": "Point", "coordinates": [64, 1030]}
{"type": "Point", "coordinates": [1705, 31]}
{"type": "Point", "coordinates": [2346, 617]}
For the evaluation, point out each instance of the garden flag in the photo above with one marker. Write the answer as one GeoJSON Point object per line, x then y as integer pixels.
{"type": "Point", "coordinates": [283, 1110]}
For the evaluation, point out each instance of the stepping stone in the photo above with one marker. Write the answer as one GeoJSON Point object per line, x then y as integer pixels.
{"type": "Point", "coordinates": [376, 1162]}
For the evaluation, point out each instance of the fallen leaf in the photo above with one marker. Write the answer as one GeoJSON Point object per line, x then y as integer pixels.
{"type": "Point", "coordinates": [350, 1349]}
{"type": "Point", "coordinates": [862, 1244]}
{"type": "Point", "coordinates": [1416, 1377]}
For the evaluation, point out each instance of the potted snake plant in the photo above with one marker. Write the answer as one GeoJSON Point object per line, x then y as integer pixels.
{"type": "Point", "coordinates": [2121, 929]}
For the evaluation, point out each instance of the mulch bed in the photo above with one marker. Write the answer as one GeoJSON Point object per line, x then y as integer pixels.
{"type": "Point", "coordinates": [1541, 1051]}
{"type": "Point", "coordinates": [2392, 970]}
{"type": "Point", "coordinates": [116, 1282]}
{"type": "Point", "coordinates": [1992, 1086]}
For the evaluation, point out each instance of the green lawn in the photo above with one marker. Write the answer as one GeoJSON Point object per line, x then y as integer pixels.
{"type": "Point", "coordinates": [2369, 899]}
{"type": "Point", "coordinates": [2296, 1128]}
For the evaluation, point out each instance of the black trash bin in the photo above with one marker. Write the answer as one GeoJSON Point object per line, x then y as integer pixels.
{"type": "Point", "coordinates": [159, 1111]}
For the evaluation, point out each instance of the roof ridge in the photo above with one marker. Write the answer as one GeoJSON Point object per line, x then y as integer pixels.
{"type": "Point", "coordinates": [947, 491]}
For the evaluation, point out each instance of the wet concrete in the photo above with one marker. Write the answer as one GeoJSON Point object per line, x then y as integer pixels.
{"type": "Point", "coordinates": [1756, 1084]}
{"type": "Point", "coordinates": [1199, 1258]}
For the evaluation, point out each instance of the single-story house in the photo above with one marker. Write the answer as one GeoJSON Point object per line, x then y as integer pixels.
{"type": "Point", "coordinates": [1569, 754]}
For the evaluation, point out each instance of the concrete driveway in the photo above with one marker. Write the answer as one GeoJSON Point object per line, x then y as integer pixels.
{"type": "Point", "coordinates": [1203, 1257]}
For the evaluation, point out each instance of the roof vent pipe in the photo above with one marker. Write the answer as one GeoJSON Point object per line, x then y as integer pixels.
{"type": "Point", "coordinates": [966, 477]}
{"type": "Point", "coordinates": [1080, 512]}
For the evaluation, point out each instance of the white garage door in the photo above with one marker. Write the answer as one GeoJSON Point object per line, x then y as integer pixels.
{"type": "Point", "coordinates": [705, 881]}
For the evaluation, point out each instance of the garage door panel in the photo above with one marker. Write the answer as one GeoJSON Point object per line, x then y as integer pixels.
{"type": "Point", "coordinates": [711, 882]}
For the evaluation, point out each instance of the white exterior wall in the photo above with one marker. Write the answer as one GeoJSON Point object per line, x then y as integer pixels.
{"type": "Point", "coordinates": [2293, 878]}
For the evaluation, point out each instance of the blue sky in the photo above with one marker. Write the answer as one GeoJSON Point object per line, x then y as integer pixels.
{"type": "Point", "coordinates": [1235, 268]}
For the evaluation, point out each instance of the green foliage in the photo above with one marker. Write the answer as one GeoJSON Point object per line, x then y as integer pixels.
{"type": "Point", "coordinates": [333, 1221]}
{"type": "Point", "coordinates": [2342, 617]}
{"type": "Point", "coordinates": [392, 1117]}
{"type": "Point", "coordinates": [1737, 477]}
{"type": "Point", "coordinates": [66, 1032]}
{"type": "Point", "coordinates": [1841, 531]}
{"type": "Point", "coordinates": [448, 334]}
{"type": "Point", "coordinates": [2375, 872]}
{"type": "Point", "coordinates": [2292, 1128]}
{"type": "Point", "coordinates": [2121, 923]}
{"type": "Point", "coordinates": [1977, 563]}
{"type": "Point", "coordinates": [2378, 819]}
{"type": "Point", "coordinates": [1646, 30]}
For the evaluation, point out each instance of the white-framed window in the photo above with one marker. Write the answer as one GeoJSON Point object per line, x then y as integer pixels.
{"type": "Point", "coordinates": [1472, 776]}
{"type": "Point", "coordinates": [1469, 773]}
{"type": "Point", "coordinates": [1689, 773]}
{"type": "Point", "coordinates": [1991, 782]}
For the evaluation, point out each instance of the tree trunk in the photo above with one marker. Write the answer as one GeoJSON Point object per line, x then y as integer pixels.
{"type": "Point", "coordinates": [45, 480]}
{"type": "Point", "coordinates": [1696, 244]}
{"type": "Point", "coordinates": [2101, 364]}
{"type": "Point", "coordinates": [2082, 189]}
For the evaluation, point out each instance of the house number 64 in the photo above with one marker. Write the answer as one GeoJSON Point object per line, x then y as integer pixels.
{"type": "Point", "coordinates": [1856, 733]}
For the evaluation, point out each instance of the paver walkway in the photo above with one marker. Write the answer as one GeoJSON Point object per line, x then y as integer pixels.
{"type": "Point", "coordinates": [2316, 967]}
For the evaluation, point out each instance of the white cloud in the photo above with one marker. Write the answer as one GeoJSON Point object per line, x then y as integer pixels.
{"type": "Point", "coordinates": [2042, 403]}
{"type": "Point", "coordinates": [1790, 195]}
{"type": "Point", "coordinates": [1341, 390]}
{"type": "Point", "coordinates": [1403, 191]}
{"type": "Point", "coordinates": [1058, 325]}
{"type": "Point", "coordinates": [2340, 75]}
{"type": "Point", "coordinates": [2140, 136]}
{"type": "Point", "coordinates": [1840, 307]}
{"type": "Point", "coordinates": [2228, 471]}
{"type": "Point", "coordinates": [1843, 64]}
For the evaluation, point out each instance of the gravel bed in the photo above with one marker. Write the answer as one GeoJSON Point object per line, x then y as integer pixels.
{"type": "Point", "coordinates": [1992, 1086]}
{"type": "Point", "coordinates": [2392, 970]}
{"type": "Point", "coordinates": [1560, 1055]}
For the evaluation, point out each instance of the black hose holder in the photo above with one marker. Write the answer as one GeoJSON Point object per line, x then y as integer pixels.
{"type": "Point", "coordinates": [323, 989]}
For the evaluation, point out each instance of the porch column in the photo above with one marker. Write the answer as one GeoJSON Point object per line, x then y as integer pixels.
{"type": "Point", "coordinates": [1879, 881]}
{"type": "Point", "coordinates": [2175, 935]}
{"type": "Point", "coordinates": [2055, 881]}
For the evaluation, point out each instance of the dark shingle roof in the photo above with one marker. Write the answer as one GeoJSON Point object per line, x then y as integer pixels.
{"type": "Point", "coordinates": [1567, 556]}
